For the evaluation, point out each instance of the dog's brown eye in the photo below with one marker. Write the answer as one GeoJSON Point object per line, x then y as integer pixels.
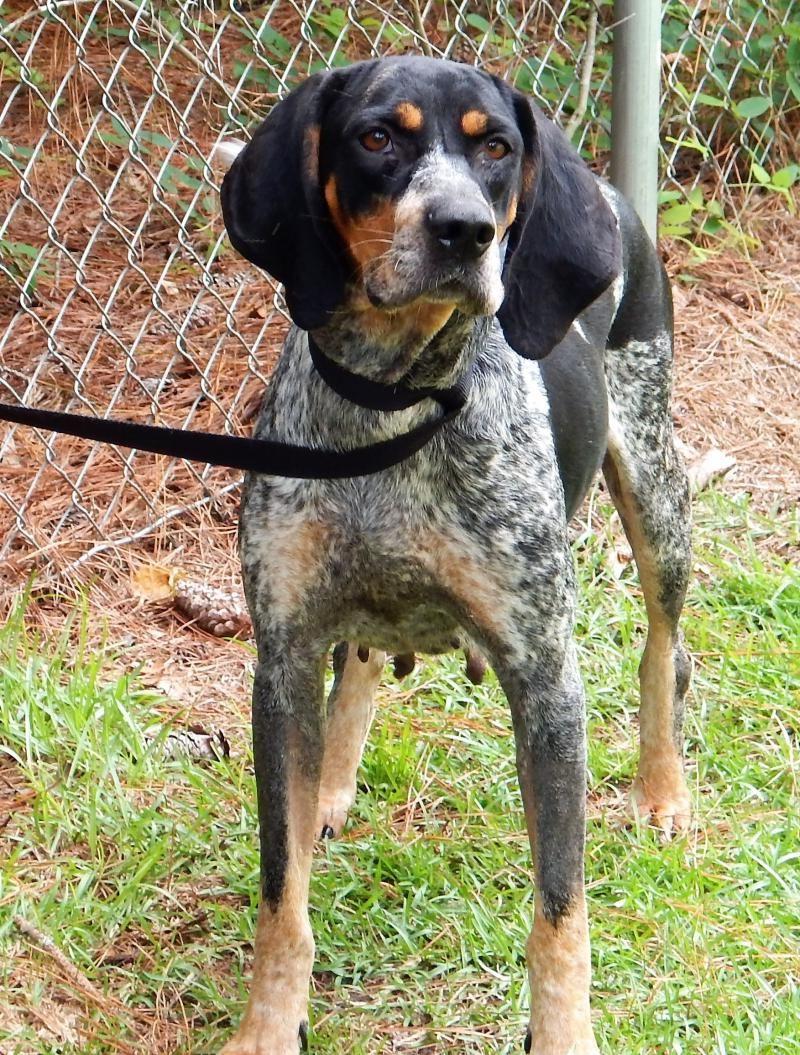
{"type": "Point", "coordinates": [376, 139]}
{"type": "Point", "coordinates": [496, 148]}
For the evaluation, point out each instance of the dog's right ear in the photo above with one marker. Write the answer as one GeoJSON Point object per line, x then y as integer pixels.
{"type": "Point", "coordinates": [274, 210]}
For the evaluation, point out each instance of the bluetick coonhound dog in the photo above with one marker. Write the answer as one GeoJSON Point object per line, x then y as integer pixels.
{"type": "Point", "coordinates": [430, 225]}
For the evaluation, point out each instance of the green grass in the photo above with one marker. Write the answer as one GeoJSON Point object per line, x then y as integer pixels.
{"type": "Point", "coordinates": [144, 871]}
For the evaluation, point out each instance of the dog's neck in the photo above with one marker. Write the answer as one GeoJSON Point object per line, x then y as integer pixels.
{"type": "Point", "coordinates": [415, 360]}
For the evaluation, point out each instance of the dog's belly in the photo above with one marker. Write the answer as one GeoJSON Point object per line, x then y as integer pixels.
{"type": "Point", "coordinates": [401, 628]}
{"type": "Point", "coordinates": [413, 591]}
{"type": "Point", "coordinates": [393, 602]}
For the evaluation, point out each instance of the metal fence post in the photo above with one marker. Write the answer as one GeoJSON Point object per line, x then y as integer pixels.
{"type": "Point", "coordinates": [635, 105]}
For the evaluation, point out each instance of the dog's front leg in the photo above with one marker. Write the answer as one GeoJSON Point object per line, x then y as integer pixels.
{"type": "Point", "coordinates": [288, 737]}
{"type": "Point", "coordinates": [548, 714]}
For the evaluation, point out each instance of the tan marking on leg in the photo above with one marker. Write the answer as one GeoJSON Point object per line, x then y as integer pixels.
{"type": "Point", "coordinates": [659, 791]}
{"type": "Point", "coordinates": [284, 944]}
{"type": "Point", "coordinates": [291, 562]}
{"type": "Point", "coordinates": [560, 973]}
{"type": "Point", "coordinates": [409, 116]}
{"type": "Point", "coordinates": [461, 571]}
{"type": "Point", "coordinates": [348, 726]}
{"type": "Point", "coordinates": [366, 236]}
{"type": "Point", "coordinates": [474, 122]}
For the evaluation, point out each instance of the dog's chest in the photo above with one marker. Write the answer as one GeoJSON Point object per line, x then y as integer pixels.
{"type": "Point", "coordinates": [401, 562]}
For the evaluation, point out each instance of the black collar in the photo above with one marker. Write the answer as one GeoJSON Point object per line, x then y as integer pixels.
{"type": "Point", "coordinates": [375, 395]}
{"type": "Point", "coordinates": [268, 456]}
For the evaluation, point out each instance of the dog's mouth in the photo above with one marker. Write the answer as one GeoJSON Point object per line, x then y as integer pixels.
{"type": "Point", "coordinates": [399, 279]}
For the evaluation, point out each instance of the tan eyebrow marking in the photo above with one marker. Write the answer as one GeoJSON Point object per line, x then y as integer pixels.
{"type": "Point", "coordinates": [474, 122]}
{"type": "Point", "coordinates": [409, 116]}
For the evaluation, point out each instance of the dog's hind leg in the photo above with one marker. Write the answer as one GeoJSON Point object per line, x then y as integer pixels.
{"type": "Point", "coordinates": [288, 735]}
{"type": "Point", "coordinates": [351, 707]}
{"type": "Point", "coordinates": [649, 487]}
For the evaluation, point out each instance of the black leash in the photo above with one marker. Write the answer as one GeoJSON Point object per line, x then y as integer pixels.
{"type": "Point", "coordinates": [269, 456]}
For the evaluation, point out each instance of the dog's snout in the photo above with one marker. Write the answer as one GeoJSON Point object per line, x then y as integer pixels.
{"type": "Point", "coordinates": [465, 232]}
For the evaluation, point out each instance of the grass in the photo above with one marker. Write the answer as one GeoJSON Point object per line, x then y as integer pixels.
{"type": "Point", "coordinates": [144, 870]}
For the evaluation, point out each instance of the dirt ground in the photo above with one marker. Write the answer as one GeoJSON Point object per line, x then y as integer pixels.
{"type": "Point", "coordinates": [737, 374]}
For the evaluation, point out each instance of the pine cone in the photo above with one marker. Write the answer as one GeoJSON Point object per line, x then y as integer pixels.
{"type": "Point", "coordinates": [218, 612]}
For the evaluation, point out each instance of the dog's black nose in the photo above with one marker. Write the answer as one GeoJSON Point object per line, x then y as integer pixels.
{"type": "Point", "coordinates": [465, 231]}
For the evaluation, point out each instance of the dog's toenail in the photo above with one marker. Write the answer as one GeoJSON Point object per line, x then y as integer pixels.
{"type": "Point", "coordinates": [527, 1042]}
{"type": "Point", "coordinates": [327, 832]}
{"type": "Point", "coordinates": [303, 1034]}
{"type": "Point", "coordinates": [363, 653]}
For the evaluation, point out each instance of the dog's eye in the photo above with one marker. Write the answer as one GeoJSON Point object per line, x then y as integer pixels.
{"type": "Point", "coordinates": [496, 148]}
{"type": "Point", "coordinates": [375, 140]}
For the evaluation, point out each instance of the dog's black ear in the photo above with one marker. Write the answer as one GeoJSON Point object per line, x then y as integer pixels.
{"type": "Point", "coordinates": [273, 206]}
{"type": "Point", "coordinates": [564, 246]}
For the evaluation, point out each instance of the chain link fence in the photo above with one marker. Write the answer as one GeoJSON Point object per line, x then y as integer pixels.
{"type": "Point", "coordinates": [118, 294]}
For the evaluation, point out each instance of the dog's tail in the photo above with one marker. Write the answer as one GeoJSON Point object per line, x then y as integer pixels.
{"type": "Point", "coordinates": [226, 152]}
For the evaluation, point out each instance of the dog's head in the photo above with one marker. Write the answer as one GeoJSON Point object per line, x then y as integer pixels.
{"type": "Point", "coordinates": [414, 183]}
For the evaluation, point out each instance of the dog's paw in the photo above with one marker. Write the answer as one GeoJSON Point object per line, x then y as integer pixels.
{"type": "Point", "coordinates": [332, 810]}
{"type": "Point", "coordinates": [664, 804]}
{"type": "Point", "coordinates": [268, 1041]}
{"type": "Point", "coordinates": [587, 1047]}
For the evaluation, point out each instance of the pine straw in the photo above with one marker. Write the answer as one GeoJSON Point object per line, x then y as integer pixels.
{"type": "Point", "coordinates": [109, 379]}
{"type": "Point", "coordinates": [737, 385]}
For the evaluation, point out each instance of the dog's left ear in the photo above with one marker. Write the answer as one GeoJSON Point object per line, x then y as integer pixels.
{"type": "Point", "coordinates": [564, 246]}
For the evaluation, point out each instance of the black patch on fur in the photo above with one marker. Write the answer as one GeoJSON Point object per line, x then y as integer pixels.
{"type": "Point", "coordinates": [559, 790]}
{"type": "Point", "coordinates": [403, 665]}
{"type": "Point", "coordinates": [646, 308]}
{"type": "Point", "coordinates": [549, 731]}
{"type": "Point", "coordinates": [270, 729]}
